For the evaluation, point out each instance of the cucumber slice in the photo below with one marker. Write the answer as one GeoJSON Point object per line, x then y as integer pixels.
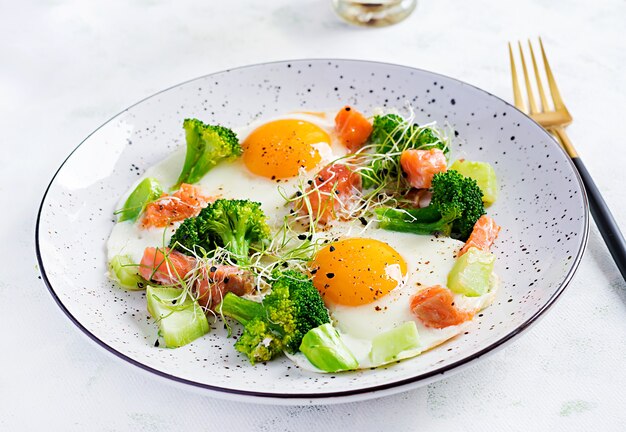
{"type": "Point", "coordinates": [471, 273]}
{"type": "Point", "coordinates": [147, 191]}
{"type": "Point", "coordinates": [484, 175]}
{"type": "Point", "coordinates": [125, 272]}
{"type": "Point", "coordinates": [180, 318]}
{"type": "Point", "coordinates": [386, 346]}
{"type": "Point", "coordinates": [323, 347]}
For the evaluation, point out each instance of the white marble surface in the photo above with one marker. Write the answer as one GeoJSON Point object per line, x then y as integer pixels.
{"type": "Point", "coordinates": [67, 66]}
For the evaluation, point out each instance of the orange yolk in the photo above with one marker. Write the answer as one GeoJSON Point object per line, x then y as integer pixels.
{"type": "Point", "coordinates": [278, 149]}
{"type": "Point", "coordinates": [356, 271]}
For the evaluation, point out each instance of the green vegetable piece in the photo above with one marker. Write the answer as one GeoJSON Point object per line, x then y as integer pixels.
{"type": "Point", "coordinates": [455, 207]}
{"type": "Point", "coordinates": [386, 346]}
{"type": "Point", "coordinates": [413, 222]}
{"type": "Point", "coordinates": [237, 225]}
{"type": "Point", "coordinates": [294, 307]}
{"type": "Point", "coordinates": [240, 309]}
{"type": "Point", "coordinates": [453, 191]}
{"type": "Point", "coordinates": [207, 145]}
{"type": "Point", "coordinates": [258, 341]}
{"type": "Point", "coordinates": [471, 273]}
{"type": "Point", "coordinates": [324, 348]}
{"type": "Point", "coordinates": [180, 318]}
{"type": "Point", "coordinates": [483, 173]}
{"type": "Point", "coordinates": [147, 191]}
{"type": "Point", "coordinates": [125, 272]}
{"type": "Point", "coordinates": [287, 313]}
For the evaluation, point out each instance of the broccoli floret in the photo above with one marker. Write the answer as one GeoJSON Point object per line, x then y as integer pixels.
{"type": "Point", "coordinates": [392, 135]}
{"type": "Point", "coordinates": [186, 237]}
{"type": "Point", "coordinates": [455, 207]}
{"type": "Point", "coordinates": [207, 145]}
{"type": "Point", "coordinates": [287, 313]}
{"type": "Point", "coordinates": [392, 131]}
{"type": "Point", "coordinates": [236, 225]}
{"type": "Point", "coordinates": [452, 189]}
{"type": "Point", "coordinates": [385, 129]}
{"type": "Point", "coordinates": [296, 307]}
{"type": "Point", "coordinates": [258, 341]}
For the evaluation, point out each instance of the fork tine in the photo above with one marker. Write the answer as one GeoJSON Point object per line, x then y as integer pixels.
{"type": "Point", "coordinates": [556, 96]}
{"type": "Point", "coordinates": [542, 94]}
{"type": "Point", "coordinates": [529, 90]}
{"type": "Point", "coordinates": [517, 94]}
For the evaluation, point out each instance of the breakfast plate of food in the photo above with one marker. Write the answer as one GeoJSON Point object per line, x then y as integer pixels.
{"type": "Point", "coordinates": [311, 231]}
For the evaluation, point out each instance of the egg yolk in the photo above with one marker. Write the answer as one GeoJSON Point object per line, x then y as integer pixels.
{"type": "Point", "coordinates": [278, 149]}
{"type": "Point", "coordinates": [356, 271]}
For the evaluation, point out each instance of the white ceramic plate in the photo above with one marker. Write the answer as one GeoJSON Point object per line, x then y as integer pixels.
{"type": "Point", "coordinates": [542, 209]}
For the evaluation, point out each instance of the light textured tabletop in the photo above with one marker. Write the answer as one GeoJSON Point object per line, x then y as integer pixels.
{"type": "Point", "coordinates": [68, 66]}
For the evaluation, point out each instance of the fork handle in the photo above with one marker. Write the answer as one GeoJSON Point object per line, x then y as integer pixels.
{"type": "Point", "coordinates": [604, 219]}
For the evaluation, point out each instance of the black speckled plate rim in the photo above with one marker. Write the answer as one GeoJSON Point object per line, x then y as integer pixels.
{"type": "Point", "coordinates": [339, 394]}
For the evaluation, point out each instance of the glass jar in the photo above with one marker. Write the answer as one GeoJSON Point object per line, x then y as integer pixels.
{"type": "Point", "coordinates": [374, 13]}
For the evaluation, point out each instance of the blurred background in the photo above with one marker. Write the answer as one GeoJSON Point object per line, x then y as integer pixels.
{"type": "Point", "coordinates": [68, 66]}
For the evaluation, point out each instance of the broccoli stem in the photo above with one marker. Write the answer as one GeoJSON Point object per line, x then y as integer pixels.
{"type": "Point", "coordinates": [237, 245]}
{"type": "Point", "coordinates": [240, 309]}
{"type": "Point", "coordinates": [414, 222]}
{"type": "Point", "coordinates": [236, 238]}
{"type": "Point", "coordinates": [441, 227]}
{"type": "Point", "coordinates": [195, 148]}
{"type": "Point", "coordinates": [421, 215]}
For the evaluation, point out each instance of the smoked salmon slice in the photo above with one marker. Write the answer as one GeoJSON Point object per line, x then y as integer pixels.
{"type": "Point", "coordinates": [483, 234]}
{"type": "Point", "coordinates": [352, 127]}
{"type": "Point", "coordinates": [330, 190]}
{"type": "Point", "coordinates": [421, 165]}
{"type": "Point", "coordinates": [183, 204]}
{"type": "Point", "coordinates": [434, 306]}
{"type": "Point", "coordinates": [165, 266]}
{"type": "Point", "coordinates": [222, 279]}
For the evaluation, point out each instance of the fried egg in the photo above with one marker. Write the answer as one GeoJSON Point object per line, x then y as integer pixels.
{"type": "Point", "coordinates": [368, 278]}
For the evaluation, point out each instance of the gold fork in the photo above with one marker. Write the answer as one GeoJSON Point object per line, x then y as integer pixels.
{"type": "Point", "coordinates": [554, 119]}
